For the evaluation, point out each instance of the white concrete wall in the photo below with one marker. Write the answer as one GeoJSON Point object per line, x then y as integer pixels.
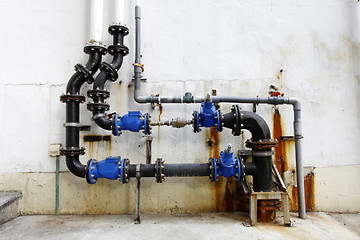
{"type": "Point", "coordinates": [237, 47]}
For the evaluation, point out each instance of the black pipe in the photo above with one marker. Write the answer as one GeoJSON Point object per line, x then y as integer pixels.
{"type": "Point", "coordinates": [261, 166]}
{"type": "Point", "coordinates": [250, 168]}
{"type": "Point", "coordinates": [173, 170]}
{"type": "Point", "coordinates": [256, 125]}
{"type": "Point", "coordinates": [108, 73]}
{"type": "Point", "coordinates": [262, 178]}
{"type": "Point", "coordinates": [73, 99]}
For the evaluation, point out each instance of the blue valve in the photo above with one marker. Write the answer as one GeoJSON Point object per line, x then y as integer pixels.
{"type": "Point", "coordinates": [227, 166]}
{"type": "Point", "coordinates": [133, 121]}
{"type": "Point", "coordinates": [208, 116]}
{"type": "Point", "coordinates": [111, 168]}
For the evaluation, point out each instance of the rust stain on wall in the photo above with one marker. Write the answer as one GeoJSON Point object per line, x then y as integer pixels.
{"type": "Point", "coordinates": [91, 150]}
{"type": "Point", "coordinates": [229, 196]}
{"type": "Point", "coordinates": [309, 188]}
{"type": "Point", "coordinates": [280, 151]}
{"type": "Point", "coordinates": [214, 153]}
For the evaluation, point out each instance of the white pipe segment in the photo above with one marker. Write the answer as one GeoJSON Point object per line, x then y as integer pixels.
{"type": "Point", "coordinates": [96, 21]}
{"type": "Point", "coordinates": [137, 3]}
{"type": "Point", "coordinates": [119, 12]}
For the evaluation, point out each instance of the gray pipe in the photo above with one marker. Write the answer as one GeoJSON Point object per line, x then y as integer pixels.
{"type": "Point", "coordinates": [255, 100]}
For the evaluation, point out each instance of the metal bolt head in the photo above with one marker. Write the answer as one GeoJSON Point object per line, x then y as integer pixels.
{"type": "Point", "coordinates": [208, 97]}
{"type": "Point", "coordinates": [229, 148]}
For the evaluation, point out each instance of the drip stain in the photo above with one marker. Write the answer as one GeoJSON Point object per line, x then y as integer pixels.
{"type": "Point", "coordinates": [280, 151]}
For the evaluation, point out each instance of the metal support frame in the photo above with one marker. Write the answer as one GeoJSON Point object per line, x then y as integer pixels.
{"type": "Point", "coordinates": [255, 196]}
{"type": "Point", "coordinates": [138, 178]}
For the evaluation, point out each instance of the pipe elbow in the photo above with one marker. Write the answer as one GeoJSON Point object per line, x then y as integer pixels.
{"type": "Point", "coordinates": [138, 98]}
{"type": "Point", "coordinates": [103, 122]}
{"type": "Point", "coordinates": [75, 166]}
{"type": "Point", "coordinates": [256, 125]}
{"type": "Point", "coordinates": [296, 103]}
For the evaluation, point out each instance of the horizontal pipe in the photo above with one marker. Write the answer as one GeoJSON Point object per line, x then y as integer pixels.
{"type": "Point", "coordinates": [173, 170]}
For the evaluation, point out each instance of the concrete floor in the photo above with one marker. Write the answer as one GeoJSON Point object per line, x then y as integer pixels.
{"type": "Point", "coordinates": [203, 226]}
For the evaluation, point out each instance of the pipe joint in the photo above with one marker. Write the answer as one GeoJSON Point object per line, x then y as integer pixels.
{"type": "Point", "coordinates": [110, 70]}
{"type": "Point", "coordinates": [111, 168]}
{"type": "Point", "coordinates": [208, 117]}
{"type": "Point", "coordinates": [65, 98]}
{"type": "Point", "coordinates": [93, 47]}
{"type": "Point", "coordinates": [134, 121]}
{"type": "Point", "coordinates": [227, 166]}
{"type": "Point", "coordinates": [116, 28]}
{"type": "Point", "coordinates": [114, 49]}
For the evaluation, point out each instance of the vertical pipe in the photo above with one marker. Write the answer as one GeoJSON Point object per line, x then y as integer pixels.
{"type": "Point", "coordinates": [57, 186]}
{"type": "Point", "coordinates": [298, 156]}
{"type": "Point", "coordinates": [96, 21]}
{"type": "Point", "coordinates": [137, 68]}
{"type": "Point", "coordinates": [119, 12]}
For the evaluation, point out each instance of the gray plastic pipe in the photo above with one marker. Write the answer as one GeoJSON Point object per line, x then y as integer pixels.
{"type": "Point", "coordinates": [228, 99]}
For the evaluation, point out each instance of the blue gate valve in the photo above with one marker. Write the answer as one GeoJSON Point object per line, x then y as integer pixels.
{"type": "Point", "coordinates": [111, 168]}
{"type": "Point", "coordinates": [227, 166]}
{"type": "Point", "coordinates": [134, 121]}
{"type": "Point", "coordinates": [208, 116]}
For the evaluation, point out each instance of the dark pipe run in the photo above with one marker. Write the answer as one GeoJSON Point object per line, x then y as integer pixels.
{"type": "Point", "coordinates": [173, 170]}
{"type": "Point", "coordinates": [261, 166]}
{"type": "Point", "coordinates": [256, 125]}
{"type": "Point", "coordinates": [108, 72]}
{"type": "Point", "coordinates": [73, 99]}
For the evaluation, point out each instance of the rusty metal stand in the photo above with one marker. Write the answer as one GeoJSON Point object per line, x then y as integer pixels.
{"type": "Point", "coordinates": [255, 196]}
{"type": "Point", "coordinates": [280, 195]}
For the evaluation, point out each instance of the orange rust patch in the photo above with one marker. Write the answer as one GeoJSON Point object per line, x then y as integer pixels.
{"type": "Point", "coordinates": [108, 147]}
{"type": "Point", "coordinates": [266, 211]}
{"type": "Point", "coordinates": [91, 149]}
{"type": "Point", "coordinates": [309, 188]}
{"type": "Point", "coordinates": [214, 153]}
{"type": "Point", "coordinates": [233, 199]}
{"type": "Point", "coordinates": [280, 151]}
{"type": "Point", "coordinates": [161, 110]}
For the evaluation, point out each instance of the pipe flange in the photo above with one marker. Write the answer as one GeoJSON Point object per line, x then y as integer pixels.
{"type": "Point", "coordinates": [98, 93]}
{"type": "Point", "coordinates": [72, 98]}
{"type": "Point", "coordinates": [72, 151]}
{"type": "Point", "coordinates": [124, 170]}
{"type": "Point", "coordinates": [242, 173]}
{"type": "Point", "coordinates": [118, 49]}
{"type": "Point", "coordinates": [115, 128]}
{"type": "Point", "coordinates": [147, 127]}
{"type": "Point", "coordinates": [98, 106]}
{"type": "Point", "coordinates": [236, 131]}
{"type": "Point", "coordinates": [118, 29]}
{"type": "Point", "coordinates": [196, 127]}
{"type": "Point", "coordinates": [159, 166]}
{"type": "Point", "coordinates": [95, 48]}
{"type": "Point", "coordinates": [90, 166]}
{"type": "Point", "coordinates": [213, 169]}
{"type": "Point", "coordinates": [266, 144]}
{"type": "Point", "coordinates": [111, 70]}
{"type": "Point", "coordinates": [218, 119]}
{"type": "Point", "coordinates": [85, 72]}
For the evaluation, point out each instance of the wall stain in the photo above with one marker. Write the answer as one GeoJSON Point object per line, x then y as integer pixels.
{"type": "Point", "coordinates": [280, 150]}
{"type": "Point", "coordinates": [91, 150]}
{"type": "Point", "coordinates": [214, 153]}
{"type": "Point", "coordinates": [229, 196]}
{"type": "Point", "coordinates": [309, 188]}
{"type": "Point", "coordinates": [108, 147]}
